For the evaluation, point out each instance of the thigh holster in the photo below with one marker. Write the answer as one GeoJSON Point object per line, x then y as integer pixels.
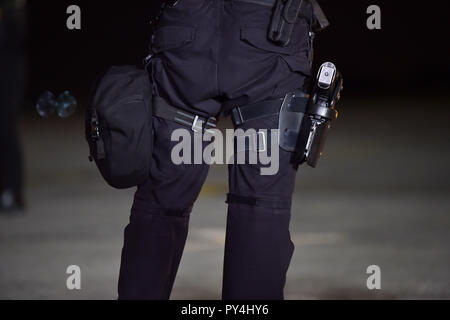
{"type": "Point", "coordinates": [304, 120]}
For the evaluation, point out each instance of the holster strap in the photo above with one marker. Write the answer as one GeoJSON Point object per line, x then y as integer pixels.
{"type": "Point", "coordinates": [266, 108]}
{"type": "Point", "coordinates": [194, 121]}
{"type": "Point", "coordinates": [259, 202]}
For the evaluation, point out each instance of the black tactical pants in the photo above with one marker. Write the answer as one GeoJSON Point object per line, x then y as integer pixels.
{"type": "Point", "coordinates": [211, 52]}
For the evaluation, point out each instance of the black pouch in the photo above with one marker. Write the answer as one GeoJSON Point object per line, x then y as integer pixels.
{"type": "Point", "coordinates": [287, 12]}
{"type": "Point", "coordinates": [119, 126]}
{"type": "Point", "coordinates": [283, 21]}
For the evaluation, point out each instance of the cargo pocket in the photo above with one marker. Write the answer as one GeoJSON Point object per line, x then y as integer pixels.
{"type": "Point", "coordinates": [296, 54]}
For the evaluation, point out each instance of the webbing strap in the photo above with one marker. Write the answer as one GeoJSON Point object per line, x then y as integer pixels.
{"type": "Point", "coordinates": [197, 123]}
{"type": "Point", "coordinates": [259, 202]}
{"type": "Point", "coordinates": [257, 110]}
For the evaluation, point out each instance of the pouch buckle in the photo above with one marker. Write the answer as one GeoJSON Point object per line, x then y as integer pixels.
{"type": "Point", "coordinates": [194, 126]}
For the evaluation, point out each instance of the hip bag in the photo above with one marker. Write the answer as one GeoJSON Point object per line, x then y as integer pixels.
{"type": "Point", "coordinates": [119, 125]}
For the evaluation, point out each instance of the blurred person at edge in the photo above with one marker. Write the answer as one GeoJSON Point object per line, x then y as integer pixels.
{"type": "Point", "coordinates": [12, 22]}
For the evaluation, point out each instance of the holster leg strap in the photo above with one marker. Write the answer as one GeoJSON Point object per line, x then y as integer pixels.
{"type": "Point", "coordinates": [266, 108]}
{"type": "Point", "coordinates": [196, 122]}
{"type": "Point", "coordinates": [259, 202]}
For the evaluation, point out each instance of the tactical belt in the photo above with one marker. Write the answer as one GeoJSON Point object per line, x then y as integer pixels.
{"type": "Point", "coordinates": [267, 3]}
{"type": "Point", "coordinates": [318, 12]}
{"type": "Point", "coordinates": [258, 110]}
{"type": "Point", "coordinates": [320, 15]}
{"type": "Point", "coordinates": [196, 122]}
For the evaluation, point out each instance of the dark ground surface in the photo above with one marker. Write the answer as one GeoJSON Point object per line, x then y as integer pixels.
{"type": "Point", "coordinates": [379, 197]}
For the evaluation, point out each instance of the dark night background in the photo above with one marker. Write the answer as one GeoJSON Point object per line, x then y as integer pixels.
{"type": "Point", "coordinates": [380, 196]}
{"type": "Point", "coordinates": [409, 53]}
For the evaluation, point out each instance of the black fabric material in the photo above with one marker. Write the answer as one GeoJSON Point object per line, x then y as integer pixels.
{"type": "Point", "coordinates": [122, 102]}
{"type": "Point", "coordinates": [268, 3]}
{"type": "Point", "coordinates": [321, 19]}
{"type": "Point", "coordinates": [254, 111]}
{"type": "Point", "coordinates": [211, 55]}
{"type": "Point", "coordinates": [259, 202]}
{"type": "Point", "coordinates": [283, 21]}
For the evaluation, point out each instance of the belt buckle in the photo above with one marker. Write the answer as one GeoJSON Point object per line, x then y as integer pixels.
{"type": "Point", "coordinates": [203, 125]}
{"type": "Point", "coordinates": [194, 126]}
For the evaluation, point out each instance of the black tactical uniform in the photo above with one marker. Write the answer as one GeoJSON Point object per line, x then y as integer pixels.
{"type": "Point", "coordinates": [211, 56]}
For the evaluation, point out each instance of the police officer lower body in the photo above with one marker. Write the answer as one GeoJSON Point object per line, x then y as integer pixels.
{"type": "Point", "coordinates": [212, 55]}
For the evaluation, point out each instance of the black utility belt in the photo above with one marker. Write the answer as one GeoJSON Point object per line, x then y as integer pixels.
{"type": "Point", "coordinates": [285, 15]}
{"type": "Point", "coordinates": [267, 3]}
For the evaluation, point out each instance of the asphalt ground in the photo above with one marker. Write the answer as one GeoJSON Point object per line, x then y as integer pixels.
{"type": "Point", "coordinates": [380, 196]}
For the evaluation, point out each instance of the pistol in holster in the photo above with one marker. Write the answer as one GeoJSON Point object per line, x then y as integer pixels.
{"type": "Point", "coordinates": [305, 119]}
